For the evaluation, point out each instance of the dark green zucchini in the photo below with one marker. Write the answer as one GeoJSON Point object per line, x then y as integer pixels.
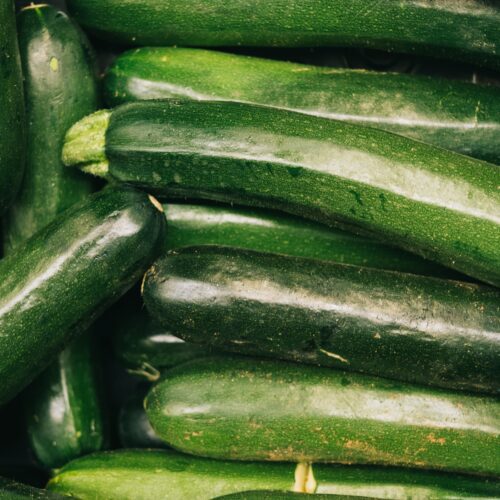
{"type": "Point", "coordinates": [12, 119]}
{"type": "Point", "coordinates": [401, 326]}
{"type": "Point", "coordinates": [60, 87]}
{"type": "Point", "coordinates": [251, 409]}
{"type": "Point", "coordinates": [143, 475]}
{"type": "Point", "coordinates": [425, 27]}
{"type": "Point", "coordinates": [458, 116]}
{"type": "Point", "coordinates": [438, 204]}
{"type": "Point", "coordinates": [286, 495]}
{"type": "Point", "coordinates": [55, 285]}
{"type": "Point", "coordinates": [11, 490]}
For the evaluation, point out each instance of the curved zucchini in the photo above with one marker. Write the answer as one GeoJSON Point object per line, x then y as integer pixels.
{"type": "Point", "coordinates": [55, 285]}
{"type": "Point", "coordinates": [251, 409]}
{"type": "Point", "coordinates": [458, 116]}
{"type": "Point", "coordinates": [12, 124]}
{"type": "Point", "coordinates": [438, 204]}
{"type": "Point", "coordinates": [60, 87]}
{"type": "Point", "coordinates": [134, 474]}
{"type": "Point", "coordinates": [12, 490]}
{"type": "Point", "coordinates": [401, 326]}
{"type": "Point", "coordinates": [422, 27]}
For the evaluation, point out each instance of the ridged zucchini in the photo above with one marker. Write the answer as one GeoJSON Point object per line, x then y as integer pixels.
{"type": "Point", "coordinates": [55, 285]}
{"type": "Point", "coordinates": [143, 475]}
{"type": "Point", "coordinates": [60, 87]}
{"type": "Point", "coordinates": [438, 204]}
{"type": "Point", "coordinates": [11, 490]}
{"type": "Point", "coordinates": [251, 409]}
{"type": "Point", "coordinates": [413, 26]}
{"type": "Point", "coordinates": [12, 119]}
{"type": "Point", "coordinates": [454, 115]}
{"type": "Point", "coordinates": [401, 326]}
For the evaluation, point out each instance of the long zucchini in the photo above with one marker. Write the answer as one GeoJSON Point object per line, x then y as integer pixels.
{"type": "Point", "coordinates": [438, 204]}
{"type": "Point", "coordinates": [401, 326]}
{"type": "Point", "coordinates": [60, 87]}
{"type": "Point", "coordinates": [143, 475]}
{"type": "Point", "coordinates": [251, 409]}
{"type": "Point", "coordinates": [12, 119]}
{"type": "Point", "coordinates": [458, 116]}
{"type": "Point", "coordinates": [55, 285]}
{"type": "Point", "coordinates": [422, 27]}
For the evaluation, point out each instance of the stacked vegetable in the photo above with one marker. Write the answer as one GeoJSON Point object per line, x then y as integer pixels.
{"type": "Point", "coordinates": [298, 266]}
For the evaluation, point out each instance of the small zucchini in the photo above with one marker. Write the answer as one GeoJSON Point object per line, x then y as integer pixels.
{"type": "Point", "coordinates": [251, 409]}
{"type": "Point", "coordinates": [435, 203]}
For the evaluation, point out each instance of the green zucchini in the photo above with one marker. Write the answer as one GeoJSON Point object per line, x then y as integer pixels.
{"type": "Point", "coordinates": [55, 285]}
{"type": "Point", "coordinates": [286, 495]}
{"type": "Point", "coordinates": [11, 490]}
{"type": "Point", "coordinates": [421, 27]}
{"type": "Point", "coordinates": [251, 409]}
{"type": "Point", "coordinates": [458, 116]}
{"type": "Point", "coordinates": [12, 120]}
{"type": "Point", "coordinates": [60, 87]}
{"type": "Point", "coordinates": [401, 326]}
{"type": "Point", "coordinates": [138, 475]}
{"type": "Point", "coordinates": [438, 204]}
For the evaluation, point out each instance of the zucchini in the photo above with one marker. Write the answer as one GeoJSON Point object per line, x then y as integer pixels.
{"type": "Point", "coordinates": [55, 285]}
{"type": "Point", "coordinates": [60, 87]}
{"type": "Point", "coordinates": [251, 409]}
{"type": "Point", "coordinates": [12, 490]}
{"type": "Point", "coordinates": [401, 326]}
{"type": "Point", "coordinates": [458, 116]}
{"type": "Point", "coordinates": [286, 495]}
{"type": "Point", "coordinates": [417, 27]}
{"type": "Point", "coordinates": [12, 120]}
{"type": "Point", "coordinates": [438, 204]}
{"type": "Point", "coordinates": [138, 475]}
{"type": "Point", "coordinates": [277, 232]}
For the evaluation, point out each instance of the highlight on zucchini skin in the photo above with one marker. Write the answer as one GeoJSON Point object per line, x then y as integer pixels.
{"type": "Point", "coordinates": [429, 201]}
{"type": "Point", "coordinates": [462, 117]}
{"type": "Point", "coordinates": [251, 409]}
{"type": "Point", "coordinates": [415, 27]}
{"type": "Point", "coordinates": [119, 474]}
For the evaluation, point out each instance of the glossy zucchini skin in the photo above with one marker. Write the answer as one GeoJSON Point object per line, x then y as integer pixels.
{"type": "Point", "coordinates": [60, 87]}
{"type": "Point", "coordinates": [454, 115]}
{"type": "Point", "coordinates": [12, 490]}
{"type": "Point", "coordinates": [410, 26]}
{"type": "Point", "coordinates": [12, 118]}
{"type": "Point", "coordinates": [277, 232]}
{"type": "Point", "coordinates": [438, 204]}
{"type": "Point", "coordinates": [436, 332]}
{"type": "Point", "coordinates": [133, 475]}
{"type": "Point", "coordinates": [55, 285]}
{"type": "Point", "coordinates": [251, 409]}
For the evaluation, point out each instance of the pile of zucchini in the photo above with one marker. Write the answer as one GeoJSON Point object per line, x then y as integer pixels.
{"type": "Point", "coordinates": [227, 272]}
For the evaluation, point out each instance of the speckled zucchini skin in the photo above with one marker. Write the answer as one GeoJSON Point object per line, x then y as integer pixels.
{"type": "Point", "coordinates": [55, 285]}
{"type": "Point", "coordinates": [458, 116]}
{"type": "Point", "coordinates": [12, 490]}
{"type": "Point", "coordinates": [251, 409]}
{"type": "Point", "coordinates": [147, 474]}
{"type": "Point", "coordinates": [461, 29]}
{"type": "Point", "coordinates": [438, 204]}
{"type": "Point", "coordinates": [402, 326]}
{"type": "Point", "coordinates": [12, 118]}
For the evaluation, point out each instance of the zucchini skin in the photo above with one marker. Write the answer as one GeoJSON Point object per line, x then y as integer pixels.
{"type": "Point", "coordinates": [454, 115]}
{"type": "Point", "coordinates": [401, 326]}
{"type": "Point", "coordinates": [130, 475]}
{"type": "Point", "coordinates": [60, 87]}
{"type": "Point", "coordinates": [251, 409]}
{"type": "Point", "coordinates": [12, 490]}
{"type": "Point", "coordinates": [54, 286]}
{"type": "Point", "coordinates": [12, 118]}
{"type": "Point", "coordinates": [429, 201]}
{"type": "Point", "coordinates": [285, 495]}
{"type": "Point", "coordinates": [409, 26]}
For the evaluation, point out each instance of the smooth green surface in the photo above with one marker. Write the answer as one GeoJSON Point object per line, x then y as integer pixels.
{"type": "Point", "coordinates": [438, 204]}
{"type": "Point", "coordinates": [436, 332]}
{"type": "Point", "coordinates": [11, 490]}
{"type": "Point", "coordinates": [273, 231]}
{"type": "Point", "coordinates": [457, 29]}
{"type": "Point", "coordinates": [458, 116]}
{"type": "Point", "coordinates": [12, 119]}
{"type": "Point", "coordinates": [285, 495]}
{"type": "Point", "coordinates": [55, 285]}
{"type": "Point", "coordinates": [251, 409]}
{"type": "Point", "coordinates": [143, 475]}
